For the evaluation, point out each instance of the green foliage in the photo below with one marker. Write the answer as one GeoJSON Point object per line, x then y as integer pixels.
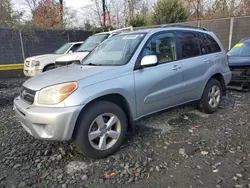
{"type": "Point", "coordinates": [169, 11]}
{"type": "Point", "coordinates": [8, 16]}
{"type": "Point", "coordinates": [139, 20]}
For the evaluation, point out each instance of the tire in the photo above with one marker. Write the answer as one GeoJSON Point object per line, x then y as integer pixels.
{"type": "Point", "coordinates": [87, 125]}
{"type": "Point", "coordinates": [205, 104]}
{"type": "Point", "coordinates": [50, 67]}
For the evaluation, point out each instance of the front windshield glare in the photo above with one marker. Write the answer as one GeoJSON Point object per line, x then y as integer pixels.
{"type": "Point", "coordinates": [64, 48]}
{"type": "Point", "coordinates": [240, 50]}
{"type": "Point", "coordinates": [92, 42]}
{"type": "Point", "coordinates": [115, 51]}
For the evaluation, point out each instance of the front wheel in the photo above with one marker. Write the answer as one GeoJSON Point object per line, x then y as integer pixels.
{"type": "Point", "coordinates": [211, 97]}
{"type": "Point", "coordinates": [101, 129]}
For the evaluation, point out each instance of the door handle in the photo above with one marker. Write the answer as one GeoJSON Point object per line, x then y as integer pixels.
{"type": "Point", "coordinates": [176, 67]}
{"type": "Point", "coordinates": [207, 61]}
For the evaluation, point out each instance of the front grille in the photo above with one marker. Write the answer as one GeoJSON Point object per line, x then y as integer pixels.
{"type": "Point", "coordinates": [27, 63]}
{"type": "Point", "coordinates": [27, 95]}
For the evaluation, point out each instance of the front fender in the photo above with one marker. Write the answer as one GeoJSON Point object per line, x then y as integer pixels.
{"type": "Point", "coordinates": [123, 86]}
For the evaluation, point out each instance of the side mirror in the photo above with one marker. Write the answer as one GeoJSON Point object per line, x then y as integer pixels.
{"type": "Point", "coordinates": [149, 60]}
{"type": "Point", "coordinates": [70, 51]}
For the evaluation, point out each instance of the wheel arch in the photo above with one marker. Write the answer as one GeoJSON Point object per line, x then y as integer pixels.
{"type": "Point", "coordinates": [219, 77]}
{"type": "Point", "coordinates": [115, 98]}
{"type": "Point", "coordinates": [46, 66]}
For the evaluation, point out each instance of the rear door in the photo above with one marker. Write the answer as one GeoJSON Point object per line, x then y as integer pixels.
{"type": "Point", "coordinates": [160, 86]}
{"type": "Point", "coordinates": [196, 62]}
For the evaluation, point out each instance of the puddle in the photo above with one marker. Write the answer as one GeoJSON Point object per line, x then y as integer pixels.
{"type": "Point", "coordinates": [169, 120]}
{"type": "Point", "coordinates": [184, 119]}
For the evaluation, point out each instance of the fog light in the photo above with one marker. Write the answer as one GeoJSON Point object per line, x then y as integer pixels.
{"type": "Point", "coordinates": [49, 130]}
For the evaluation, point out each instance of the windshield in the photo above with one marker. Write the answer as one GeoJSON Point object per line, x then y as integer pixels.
{"type": "Point", "coordinates": [240, 50]}
{"type": "Point", "coordinates": [115, 51]}
{"type": "Point", "coordinates": [64, 48]}
{"type": "Point", "coordinates": [92, 42]}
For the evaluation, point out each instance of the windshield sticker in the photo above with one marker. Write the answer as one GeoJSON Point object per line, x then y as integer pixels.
{"type": "Point", "coordinates": [130, 37]}
{"type": "Point", "coordinates": [239, 45]}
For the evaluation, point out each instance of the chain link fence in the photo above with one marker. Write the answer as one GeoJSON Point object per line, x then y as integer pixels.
{"type": "Point", "coordinates": [16, 45]}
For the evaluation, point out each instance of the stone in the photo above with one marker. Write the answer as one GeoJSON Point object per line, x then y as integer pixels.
{"type": "Point", "coordinates": [131, 180]}
{"type": "Point", "coordinates": [22, 184]}
{"type": "Point", "coordinates": [84, 177]}
{"type": "Point", "coordinates": [235, 178]}
{"type": "Point", "coordinates": [238, 161]}
{"type": "Point", "coordinates": [239, 186]}
{"type": "Point", "coordinates": [239, 175]}
{"type": "Point", "coordinates": [157, 168]}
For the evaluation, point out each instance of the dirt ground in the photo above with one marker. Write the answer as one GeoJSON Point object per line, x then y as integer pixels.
{"type": "Point", "coordinates": [177, 148]}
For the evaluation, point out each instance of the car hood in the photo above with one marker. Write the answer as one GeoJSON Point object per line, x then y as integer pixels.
{"type": "Point", "coordinates": [72, 57]}
{"type": "Point", "coordinates": [63, 74]}
{"type": "Point", "coordinates": [239, 61]}
{"type": "Point", "coordinates": [43, 57]}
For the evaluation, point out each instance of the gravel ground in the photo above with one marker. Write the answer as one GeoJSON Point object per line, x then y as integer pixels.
{"type": "Point", "coordinates": [178, 148]}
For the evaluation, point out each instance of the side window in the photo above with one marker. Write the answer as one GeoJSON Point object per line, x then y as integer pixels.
{"type": "Point", "coordinates": [214, 47]}
{"type": "Point", "coordinates": [204, 45]}
{"type": "Point", "coordinates": [75, 47]}
{"type": "Point", "coordinates": [189, 44]}
{"type": "Point", "coordinates": [208, 44]}
{"type": "Point", "coordinates": [163, 46]}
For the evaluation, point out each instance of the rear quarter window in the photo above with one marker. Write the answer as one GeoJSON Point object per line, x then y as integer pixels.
{"type": "Point", "coordinates": [208, 44]}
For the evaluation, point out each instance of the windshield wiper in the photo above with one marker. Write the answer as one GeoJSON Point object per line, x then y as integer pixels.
{"type": "Point", "coordinates": [83, 51]}
{"type": "Point", "coordinates": [92, 64]}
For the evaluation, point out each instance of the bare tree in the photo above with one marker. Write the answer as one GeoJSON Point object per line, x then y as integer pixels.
{"type": "Point", "coordinates": [32, 4]}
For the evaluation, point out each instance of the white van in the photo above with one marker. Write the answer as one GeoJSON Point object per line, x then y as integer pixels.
{"type": "Point", "coordinates": [90, 44]}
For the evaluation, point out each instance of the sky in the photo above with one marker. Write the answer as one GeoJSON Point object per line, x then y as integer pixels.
{"type": "Point", "coordinates": [73, 4]}
{"type": "Point", "coordinates": [70, 3]}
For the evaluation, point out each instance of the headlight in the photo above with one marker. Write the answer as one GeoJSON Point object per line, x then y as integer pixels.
{"type": "Point", "coordinates": [35, 63]}
{"type": "Point", "coordinates": [56, 94]}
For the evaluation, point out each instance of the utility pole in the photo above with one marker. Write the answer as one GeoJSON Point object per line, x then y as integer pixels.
{"type": "Point", "coordinates": [198, 10]}
{"type": "Point", "coordinates": [104, 12]}
{"type": "Point", "coordinates": [61, 11]}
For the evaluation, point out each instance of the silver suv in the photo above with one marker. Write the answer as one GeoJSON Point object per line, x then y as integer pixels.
{"type": "Point", "coordinates": [125, 78]}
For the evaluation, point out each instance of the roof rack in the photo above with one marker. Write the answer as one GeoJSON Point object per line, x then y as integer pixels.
{"type": "Point", "coordinates": [183, 26]}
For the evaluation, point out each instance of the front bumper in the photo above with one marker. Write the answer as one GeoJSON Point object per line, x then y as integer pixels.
{"type": "Point", "coordinates": [30, 72]}
{"type": "Point", "coordinates": [47, 123]}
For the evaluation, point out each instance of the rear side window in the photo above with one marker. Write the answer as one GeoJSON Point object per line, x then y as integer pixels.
{"type": "Point", "coordinates": [189, 44]}
{"type": "Point", "coordinates": [208, 44]}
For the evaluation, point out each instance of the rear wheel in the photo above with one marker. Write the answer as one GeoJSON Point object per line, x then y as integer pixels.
{"type": "Point", "coordinates": [211, 97]}
{"type": "Point", "coordinates": [101, 129]}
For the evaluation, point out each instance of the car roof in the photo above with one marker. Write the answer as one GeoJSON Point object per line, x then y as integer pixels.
{"type": "Point", "coordinates": [155, 30]}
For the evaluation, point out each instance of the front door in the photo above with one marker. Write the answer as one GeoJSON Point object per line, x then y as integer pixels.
{"type": "Point", "coordinates": [160, 86]}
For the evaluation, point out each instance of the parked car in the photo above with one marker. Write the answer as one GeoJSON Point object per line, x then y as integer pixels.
{"type": "Point", "coordinates": [239, 63]}
{"type": "Point", "coordinates": [90, 44]}
{"type": "Point", "coordinates": [38, 64]}
{"type": "Point", "coordinates": [125, 78]}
